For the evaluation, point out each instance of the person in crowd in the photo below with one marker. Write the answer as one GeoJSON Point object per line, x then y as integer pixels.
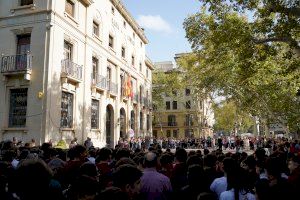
{"type": "Point", "coordinates": [195, 185]}
{"type": "Point", "coordinates": [294, 178]}
{"type": "Point", "coordinates": [179, 177]}
{"type": "Point", "coordinates": [128, 179]}
{"type": "Point", "coordinates": [154, 185]}
{"type": "Point", "coordinates": [239, 186]}
{"type": "Point", "coordinates": [219, 185]}
{"type": "Point", "coordinates": [88, 143]}
{"type": "Point", "coordinates": [32, 180]}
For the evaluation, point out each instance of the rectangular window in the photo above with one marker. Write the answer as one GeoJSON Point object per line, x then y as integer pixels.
{"type": "Point", "coordinates": [95, 28]}
{"type": "Point", "coordinates": [26, 2]}
{"type": "Point", "coordinates": [175, 133]}
{"type": "Point", "coordinates": [108, 77]}
{"type": "Point", "coordinates": [174, 105]}
{"type": "Point", "coordinates": [123, 52]}
{"type": "Point", "coordinates": [111, 41]}
{"type": "Point", "coordinates": [188, 105]}
{"type": "Point", "coordinates": [148, 122]}
{"type": "Point", "coordinates": [67, 110]}
{"type": "Point", "coordinates": [188, 133]}
{"type": "Point", "coordinates": [187, 92]}
{"type": "Point", "coordinates": [23, 44]}
{"type": "Point", "coordinates": [69, 7]}
{"type": "Point", "coordinates": [132, 60]}
{"type": "Point", "coordinates": [141, 121]}
{"type": "Point", "coordinates": [188, 120]}
{"type": "Point", "coordinates": [122, 85]}
{"type": "Point", "coordinates": [168, 105]}
{"type": "Point", "coordinates": [147, 72]}
{"type": "Point", "coordinates": [124, 24]}
{"type": "Point", "coordinates": [95, 69]}
{"type": "Point", "coordinates": [95, 114]}
{"type": "Point", "coordinates": [141, 67]}
{"type": "Point", "coordinates": [18, 107]}
{"type": "Point", "coordinates": [168, 133]}
{"type": "Point", "coordinates": [68, 48]}
{"type": "Point", "coordinates": [172, 120]}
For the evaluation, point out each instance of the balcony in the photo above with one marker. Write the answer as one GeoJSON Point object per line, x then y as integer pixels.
{"type": "Point", "coordinates": [166, 124]}
{"type": "Point", "coordinates": [188, 124]}
{"type": "Point", "coordinates": [16, 65]}
{"type": "Point", "coordinates": [71, 71]}
{"type": "Point", "coordinates": [113, 88]}
{"type": "Point", "coordinates": [99, 83]}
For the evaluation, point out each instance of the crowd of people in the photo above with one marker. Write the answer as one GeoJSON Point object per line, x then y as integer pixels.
{"type": "Point", "coordinates": [83, 172]}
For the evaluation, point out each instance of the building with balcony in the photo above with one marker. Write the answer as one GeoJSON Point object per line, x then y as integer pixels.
{"type": "Point", "coordinates": [72, 68]}
{"type": "Point", "coordinates": [181, 116]}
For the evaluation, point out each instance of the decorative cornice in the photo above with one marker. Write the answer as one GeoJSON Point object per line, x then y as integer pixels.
{"type": "Point", "coordinates": [87, 2]}
{"type": "Point", "coordinates": [125, 13]}
{"type": "Point", "coordinates": [149, 63]}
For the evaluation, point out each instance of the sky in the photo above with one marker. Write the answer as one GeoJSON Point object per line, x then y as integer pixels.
{"type": "Point", "coordinates": [163, 24]}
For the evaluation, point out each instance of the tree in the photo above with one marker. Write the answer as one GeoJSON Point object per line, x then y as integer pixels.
{"type": "Point", "coordinates": [228, 118]}
{"type": "Point", "coordinates": [252, 62]}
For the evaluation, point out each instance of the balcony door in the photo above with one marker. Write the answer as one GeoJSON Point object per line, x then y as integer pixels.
{"type": "Point", "coordinates": [68, 47]}
{"type": "Point", "coordinates": [23, 44]}
{"type": "Point", "coordinates": [171, 120]}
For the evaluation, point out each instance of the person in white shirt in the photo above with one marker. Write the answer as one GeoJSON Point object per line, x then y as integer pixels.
{"type": "Point", "coordinates": [219, 185]}
{"type": "Point", "coordinates": [238, 186]}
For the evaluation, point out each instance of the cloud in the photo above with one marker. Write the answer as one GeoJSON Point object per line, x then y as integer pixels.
{"type": "Point", "coordinates": [154, 22]}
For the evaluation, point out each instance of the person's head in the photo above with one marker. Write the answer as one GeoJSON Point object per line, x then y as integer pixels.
{"type": "Point", "coordinates": [128, 179]}
{"type": "Point", "coordinates": [273, 167]}
{"type": "Point", "coordinates": [181, 155]}
{"type": "Point", "coordinates": [195, 175]}
{"type": "Point", "coordinates": [209, 160]}
{"type": "Point", "coordinates": [89, 169]}
{"type": "Point", "coordinates": [166, 160]}
{"type": "Point", "coordinates": [33, 175]}
{"type": "Point", "coordinates": [194, 160]}
{"type": "Point", "coordinates": [206, 151]}
{"type": "Point", "coordinates": [121, 153]}
{"type": "Point", "coordinates": [104, 154]}
{"type": "Point", "coordinates": [249, 163]}
{"type": "Point", "coordinates": [85, 187]}
{"type": "Point", "coordinates": [80, 152]}
{"type": "Point", "coordinates": [150, 160]}
{"type": "Point", "coordinates": [229, 165]}
{"type": "Point", "coordinates": [125, 161]}
{"type": "Point", "coordinates": [293, 163]}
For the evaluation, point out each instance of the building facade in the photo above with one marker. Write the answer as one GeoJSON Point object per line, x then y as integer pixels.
{"type": "Point", "coordinates": [73, 68]}
{"type": "Point", "coordinates": [182, 116]}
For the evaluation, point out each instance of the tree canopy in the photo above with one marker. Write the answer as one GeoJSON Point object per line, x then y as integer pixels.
{"type": "Point", "coordinates": [254, 62]}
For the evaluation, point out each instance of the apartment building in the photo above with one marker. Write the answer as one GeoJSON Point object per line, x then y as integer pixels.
{"type": "Point", "coordinates": [182, 115]}
{"type": "Point", "coordinates": [73, 68]}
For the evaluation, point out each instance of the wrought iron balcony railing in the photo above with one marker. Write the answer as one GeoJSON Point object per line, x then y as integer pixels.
{"type": "Point", "coordinates": [100, 82]}
{"type": "Point", "coordinates": [112, 87]}
{"type": "Point", "coordinates": [71, 69]}
{"type": "Point", "coordinates": [188, 123]}
{"type": "Point", "coordinates": [16, 63]}
{"type": "Point", "coordinates": [166, 124]}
